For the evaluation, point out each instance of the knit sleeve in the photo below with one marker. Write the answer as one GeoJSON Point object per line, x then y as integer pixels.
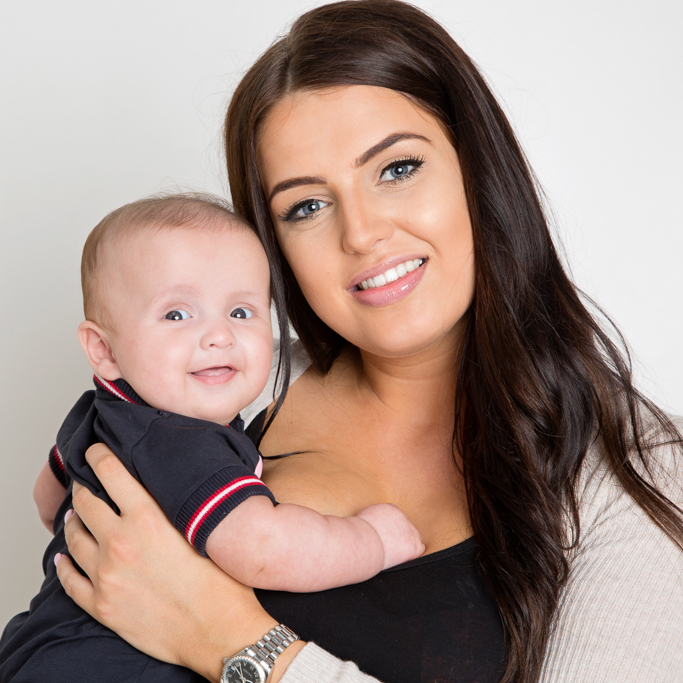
{"type": "Point", "coordinates": [620, 616]}
{"type": "Point", "coordinates": [71, 427]}
{"type": "Point", "coordinates": [315, 665]}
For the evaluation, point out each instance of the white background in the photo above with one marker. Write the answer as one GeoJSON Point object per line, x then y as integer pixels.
{"type": "Point", "coordinates": [103, 103]}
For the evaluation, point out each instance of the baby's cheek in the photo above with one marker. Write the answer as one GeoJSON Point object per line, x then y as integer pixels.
{"type": "Point", "coordinates": [163, 387]}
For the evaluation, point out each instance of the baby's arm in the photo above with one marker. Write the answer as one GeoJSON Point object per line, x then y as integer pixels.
{"type": "Point", "coordinates": [48, 494]}
{"type": "Point", "coordinates": [293, 548]}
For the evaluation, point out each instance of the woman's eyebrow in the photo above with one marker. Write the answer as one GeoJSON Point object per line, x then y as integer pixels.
{"type": "Point", "coordinates": [362, 159]}
{"type": "Point", "coordinates": [296, 182]}
{"type": "Point", "coordinates": [384, 144]}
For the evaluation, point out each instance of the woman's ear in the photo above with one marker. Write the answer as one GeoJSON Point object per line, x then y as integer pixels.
{"type": "Point", "coordinates": [97, 347]}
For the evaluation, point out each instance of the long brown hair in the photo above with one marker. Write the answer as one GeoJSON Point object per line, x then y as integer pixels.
{"type": "Point", "coordinates": [539, 378]}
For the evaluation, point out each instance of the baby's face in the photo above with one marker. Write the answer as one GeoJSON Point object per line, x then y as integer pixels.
{"type": "Point", "coordinates": [190, 312]}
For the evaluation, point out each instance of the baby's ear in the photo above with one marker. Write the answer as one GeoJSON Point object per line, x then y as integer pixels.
{"type": "Point", "coordinates": [97, 347]}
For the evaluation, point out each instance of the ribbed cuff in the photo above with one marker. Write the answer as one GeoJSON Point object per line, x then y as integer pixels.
{"type": "Point", "coordinates": [56, 463]}
{"type": "Point", "coordinates": [214, 500]}
{"type": "Point", "coordinates": [315, 665]}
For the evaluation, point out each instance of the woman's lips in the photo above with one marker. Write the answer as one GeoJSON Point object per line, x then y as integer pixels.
{"type": "Point", "coordinates": [215, 375]}
{"type": "Point", "coordinates": [390, 292]}
{"type": "Point", "coordinates": [391, 274]}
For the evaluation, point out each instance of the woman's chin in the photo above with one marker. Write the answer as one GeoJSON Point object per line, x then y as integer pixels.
{"type": "Point", "coordinates": [412, 343]}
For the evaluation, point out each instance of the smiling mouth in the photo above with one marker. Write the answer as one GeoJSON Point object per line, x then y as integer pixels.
{"type": "Point", "coordinates": [391, 275]}
{"type": "Point", "coordinates": [213, 372]}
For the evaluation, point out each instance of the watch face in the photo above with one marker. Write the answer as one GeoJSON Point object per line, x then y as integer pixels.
{"type": "Point", "coordinates": [243, 669]}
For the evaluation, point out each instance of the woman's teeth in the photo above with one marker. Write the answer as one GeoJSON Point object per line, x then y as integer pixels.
{"type": "Point", "coordinates": [392, 274]}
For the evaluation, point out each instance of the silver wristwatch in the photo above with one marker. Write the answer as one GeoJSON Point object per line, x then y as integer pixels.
{"type": "Point", "coordinates": [254, 663]}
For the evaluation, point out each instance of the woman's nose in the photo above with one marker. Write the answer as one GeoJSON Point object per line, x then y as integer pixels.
{"type": "Point", "coordinates": [218, 334]}
{"type": "Point", "coordinates": [364, 227]}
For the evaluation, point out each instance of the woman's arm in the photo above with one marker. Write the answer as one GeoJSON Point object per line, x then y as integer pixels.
{"type": "Point", "coordinates": [147, 584]}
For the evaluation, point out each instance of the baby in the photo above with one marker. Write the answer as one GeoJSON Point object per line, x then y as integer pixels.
{"type": "Point", "coordinates": [178, 331]}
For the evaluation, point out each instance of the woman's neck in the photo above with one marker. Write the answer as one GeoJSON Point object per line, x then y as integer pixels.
{"type": "Point", "coordinates": [420, 382]}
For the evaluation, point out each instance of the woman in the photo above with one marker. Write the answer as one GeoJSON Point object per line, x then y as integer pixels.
{"type": "Point", "coordinates": [454, 372]}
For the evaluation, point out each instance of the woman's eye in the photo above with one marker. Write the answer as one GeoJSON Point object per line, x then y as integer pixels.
{"type": "Point", "coordinates": [241, 313]}
{"type": "Point", "coordinates": [177, 315]}
{"type": "Point", "coordinates": [400, 170]}
{"type": "Point", "coordinates": [304, 210]}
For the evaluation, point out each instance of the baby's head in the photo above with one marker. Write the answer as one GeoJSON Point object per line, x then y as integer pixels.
{"type": "Point", "coordinates": [176, 292]}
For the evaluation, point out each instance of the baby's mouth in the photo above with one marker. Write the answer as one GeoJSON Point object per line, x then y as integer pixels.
{"type": "Point", "coordinates": [219, 374]}
{"type": "Point", "coordinates": [213, 372]}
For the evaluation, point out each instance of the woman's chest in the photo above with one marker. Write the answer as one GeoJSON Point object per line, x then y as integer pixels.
{"type": "Point", "coordinates": [341, 473]}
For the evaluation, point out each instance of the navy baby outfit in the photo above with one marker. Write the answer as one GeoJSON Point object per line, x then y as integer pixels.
{"type": "Point", "coordinates": [197, 471]}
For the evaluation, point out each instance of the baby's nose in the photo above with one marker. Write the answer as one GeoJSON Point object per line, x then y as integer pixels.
{"type": "Point", "coordinates": [218, 334]}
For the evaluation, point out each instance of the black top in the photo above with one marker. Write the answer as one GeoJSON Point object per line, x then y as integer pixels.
{"type": "Point", "coordinates": [429, 620]}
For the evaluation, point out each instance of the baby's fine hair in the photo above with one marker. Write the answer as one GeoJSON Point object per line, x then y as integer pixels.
{"type": "Point", "coordinates": [160, 211]}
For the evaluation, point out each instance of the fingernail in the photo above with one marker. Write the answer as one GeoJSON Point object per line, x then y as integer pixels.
{"type": "Point", "coordinates": [67, 515]}
{"type": "Point", "coordinates": [58, 557]}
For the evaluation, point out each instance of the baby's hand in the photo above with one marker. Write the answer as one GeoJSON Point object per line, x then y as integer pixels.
{"type": "Point", "coordinates": [400, 539]}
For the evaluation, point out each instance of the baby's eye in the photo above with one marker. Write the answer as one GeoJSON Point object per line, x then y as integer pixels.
{"type": "Point", "coordinates": [241, 313]}
{"type": "Point", "coordinates": [177, 315]}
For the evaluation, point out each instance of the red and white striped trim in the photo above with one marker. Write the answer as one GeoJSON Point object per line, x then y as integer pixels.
{"type": "Point", "coordinates": [58, 458]}
{"type": "Point", "coordinates": [211, 503]}
{"type": "Point", "coordinates": [106, 384]}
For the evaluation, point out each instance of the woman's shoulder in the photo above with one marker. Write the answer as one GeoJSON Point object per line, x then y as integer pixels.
{"type": "Point", "coordinates": [664, 458]}
{"type": "Point", "coordinates": [615, 532]}
{"type": "Point", "coordinates": [598, 489]}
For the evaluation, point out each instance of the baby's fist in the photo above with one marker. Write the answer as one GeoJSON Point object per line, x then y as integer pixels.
{"type": "Point", "coordinates": [400, 539]}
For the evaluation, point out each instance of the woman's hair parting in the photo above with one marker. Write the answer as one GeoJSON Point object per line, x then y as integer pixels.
{"type": "Point", "coordinates": [169, 211]}
{"type": "Point", "coordinates": [539, 377]}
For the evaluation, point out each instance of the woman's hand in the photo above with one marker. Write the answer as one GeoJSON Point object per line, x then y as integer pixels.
{"type": "Point", "coordinates": [146, 583]}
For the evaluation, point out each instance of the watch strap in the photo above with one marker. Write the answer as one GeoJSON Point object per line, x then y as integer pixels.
{"type": "Point", "coordinates": [269, 648]}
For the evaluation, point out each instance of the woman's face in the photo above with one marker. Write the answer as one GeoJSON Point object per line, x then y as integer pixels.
{"type": "Point", "coordinates": [367, 199]}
